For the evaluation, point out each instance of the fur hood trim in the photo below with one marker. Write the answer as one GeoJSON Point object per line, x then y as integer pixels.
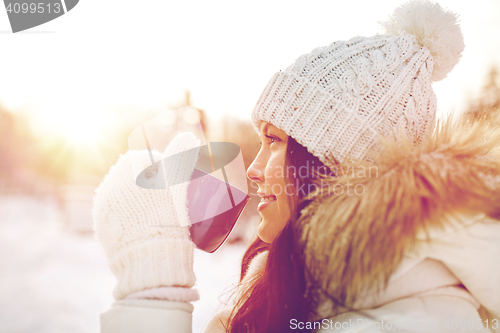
{"type": "Point", "coordinates": [353, 241]}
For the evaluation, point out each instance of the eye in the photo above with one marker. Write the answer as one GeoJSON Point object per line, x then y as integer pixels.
{"type": "Point", "coordinates": [272, 139]}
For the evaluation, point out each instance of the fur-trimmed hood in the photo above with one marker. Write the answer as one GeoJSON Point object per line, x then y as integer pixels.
{"type": "Point", "coordinates": [354, 239]}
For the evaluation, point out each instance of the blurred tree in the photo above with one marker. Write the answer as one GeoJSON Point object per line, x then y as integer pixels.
{"type": "Point", "coordinates": [27, 160]}
{"type": "Point", "coordinates": [53, 158]}
{"type": "Point", "coordinates": [24, 160]}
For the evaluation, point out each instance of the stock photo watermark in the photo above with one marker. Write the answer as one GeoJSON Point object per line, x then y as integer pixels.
{"type": "Point", "coordinates": [439, 325]}
{"type": "Point", "coordinates": [310, 171]}
{"type": "Point", "coordinates": [26, 14]}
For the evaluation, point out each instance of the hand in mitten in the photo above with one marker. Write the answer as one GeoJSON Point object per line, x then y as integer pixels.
{"type": "Point", "coordinates": [144, 232]}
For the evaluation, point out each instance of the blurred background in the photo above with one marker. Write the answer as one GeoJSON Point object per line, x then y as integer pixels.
{"type": "Point", "coordinates": [72, 90]}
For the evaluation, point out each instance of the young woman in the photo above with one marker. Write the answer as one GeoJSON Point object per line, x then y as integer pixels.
{"type": "Point", "coordinates": [394, 224]}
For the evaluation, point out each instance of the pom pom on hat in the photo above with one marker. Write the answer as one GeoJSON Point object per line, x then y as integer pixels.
{"type": "Point", "coordinates": [434, 28]}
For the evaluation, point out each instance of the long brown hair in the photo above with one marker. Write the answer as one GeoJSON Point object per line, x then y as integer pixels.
{"type": "Point", "coordinates": [272, 299]}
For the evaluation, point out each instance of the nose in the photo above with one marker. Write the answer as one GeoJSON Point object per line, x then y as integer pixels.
{"type": "Point", "coordinates": [255, 171]}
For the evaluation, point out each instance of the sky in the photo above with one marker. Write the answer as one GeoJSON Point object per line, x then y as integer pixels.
{"type": "Point", "coordinates": [143, 55]}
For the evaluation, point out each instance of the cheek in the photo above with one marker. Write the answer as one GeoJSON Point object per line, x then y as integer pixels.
{"type": "Point", "coordinates": [275, 172]}
{"type": "Point", "coordinates": [274, 220]}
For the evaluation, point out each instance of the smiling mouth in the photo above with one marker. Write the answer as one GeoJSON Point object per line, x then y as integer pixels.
{"type": "Point", "coordinates": [269, 198]}
{"type": "Point", "coordinates": [266, 201]}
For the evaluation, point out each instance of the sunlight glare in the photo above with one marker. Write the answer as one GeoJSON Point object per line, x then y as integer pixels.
{"type": "Point", "coordinates": [80, 125]}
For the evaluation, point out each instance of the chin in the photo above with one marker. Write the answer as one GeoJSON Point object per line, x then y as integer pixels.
{"type": "Point", "coordinates": [264, 233]}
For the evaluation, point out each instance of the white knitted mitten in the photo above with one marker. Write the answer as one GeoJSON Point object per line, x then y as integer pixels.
{"type": "Point", "coordinates": [143, 231]}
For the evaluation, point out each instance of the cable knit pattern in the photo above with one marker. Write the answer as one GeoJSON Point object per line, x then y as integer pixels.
{"type": "Point", "coordinates": [139, 229]}
{"type": "Point", "coordinates": [340, 99]}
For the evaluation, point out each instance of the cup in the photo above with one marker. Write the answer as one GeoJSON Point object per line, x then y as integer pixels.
{"type": "Point", "coordinates": [217, 189]}
{"type": "Point", "coordinates": [214, 207]}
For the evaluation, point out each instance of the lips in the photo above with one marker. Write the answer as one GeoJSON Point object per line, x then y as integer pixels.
{"type": "Point", "coordinates": [268, 198]}
{"type": "Point", "coordinates": [266, 201]}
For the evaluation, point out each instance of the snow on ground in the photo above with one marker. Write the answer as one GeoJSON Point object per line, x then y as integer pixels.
{"type": "Point", "coordinates": [54, 280]}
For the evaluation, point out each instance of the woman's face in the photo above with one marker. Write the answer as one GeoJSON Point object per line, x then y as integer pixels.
{"type": "Point", "coordinates": [268, 172]}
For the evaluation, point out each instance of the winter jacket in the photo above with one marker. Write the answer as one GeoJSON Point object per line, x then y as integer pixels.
{"type": "Point", "coordinates": [419, 247]}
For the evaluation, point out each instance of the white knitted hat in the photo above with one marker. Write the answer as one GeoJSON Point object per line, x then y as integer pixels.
{"type": "Point", "coordinates": [338, 99]}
